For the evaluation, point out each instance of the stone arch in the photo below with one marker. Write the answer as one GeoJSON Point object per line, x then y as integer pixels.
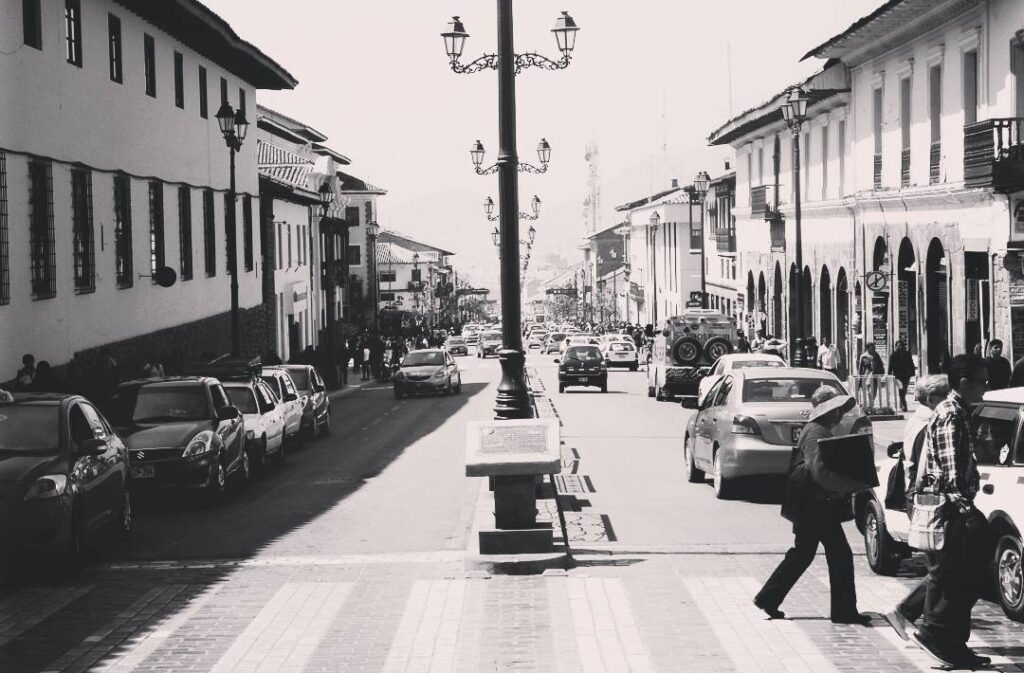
{"type": "Point", "coordinates": [777, 326]}
{"type": "Point", "coordinates": [937, 306]}
{"type": "Point", "coordinates": [825, 305]}
{"type": "Point", "coordinates": [906, 296]}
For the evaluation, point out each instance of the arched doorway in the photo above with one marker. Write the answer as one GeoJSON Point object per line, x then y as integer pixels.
{"type": "Point", "coordinates": [777, 327]}
{"type": "Point", "coordinates": [750, 319]}
{"type": "Point", "coordinates": [937, 306]}
{"type": "Point", "coordinates": [825, 305]}
{"type": "Point", "coordinates": [842, 321]}
{"type": "Point", "coordinates": [906, 296]}
{"type": "Point", "coordinates": [807, 296]}
{"type": "Point", "coordinates": [877, 331]}
{"type": "Point", "coordinates": [762, 303]}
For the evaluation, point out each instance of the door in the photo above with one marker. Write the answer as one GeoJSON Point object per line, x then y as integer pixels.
{"type": "Point", "coordinates": [717, 414]}
{"type": "Point", "coordinates": [702, 427]}
{"type": "Point", "coordinates": [229, 431]}
{"type": "Point", "coordinates": [271, 411]}
{"type": "Point", "coordinates": [86, 471]}
{"type": "Point", "coordinates": [997, 447]}
{"type": "Point", "coordinates": [292, 406]}
{"type": "Point", "coordinates": [110, 468]}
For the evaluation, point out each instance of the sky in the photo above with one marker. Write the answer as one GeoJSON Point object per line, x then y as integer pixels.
{"type": "Point", "coordinates": [649, 81]}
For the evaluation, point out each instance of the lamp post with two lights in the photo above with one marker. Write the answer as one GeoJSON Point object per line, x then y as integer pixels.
{"type": "Point", "coordinates": [700, 190]}
{"type": "Point", "coordinates": [794, 111]}
{"type": "Point", "coordinates": [234, 126]}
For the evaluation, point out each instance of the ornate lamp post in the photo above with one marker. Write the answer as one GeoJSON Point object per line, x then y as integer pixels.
{"type": "Point", "coordinates": [534, 206]}
{"type": "Point", "coordinates": [416, 283]}
{"type": "Point", "coordinates": [234, 126]}
{"type": "Point", "coordinates": [327, 230]}
{"type": "Point", "coordinates": [513, 399]}
{"type": "Point", "coordinates": [700, 190]}
{"type": "Point", "coordinates": [655, 221]}
{"type": "Point", "coordinates": [372, 229]}
{"type": "Point", "coordinates": [794, 111]}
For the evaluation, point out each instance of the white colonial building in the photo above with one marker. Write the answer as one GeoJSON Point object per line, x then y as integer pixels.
{"type": "Point", "coordinates": [112, 165]}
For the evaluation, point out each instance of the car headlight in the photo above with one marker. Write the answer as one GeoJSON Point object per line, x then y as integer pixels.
{"type": "Point", "coordinates": [200, 444]}
{"type": "Point", "coordinates": [49, 486]}
{"type": "Point", "coordinates": [439, 374]}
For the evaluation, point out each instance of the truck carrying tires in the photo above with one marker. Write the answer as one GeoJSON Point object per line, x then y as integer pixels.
{"type": "Point", "coordinates": [684, 351]}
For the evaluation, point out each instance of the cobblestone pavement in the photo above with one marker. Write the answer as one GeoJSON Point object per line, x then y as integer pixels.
{"type": "Point", "coordinates": [427, 612]}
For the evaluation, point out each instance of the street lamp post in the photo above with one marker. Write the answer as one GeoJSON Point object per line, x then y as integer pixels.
{"type": "Point", "coordinates": [794, 111]}
{"type": "Point", "coordinates": [328, 232]}
{"type": "Point", "coordinates": [513, 400]}
{"type": "Point", "coordinates": [233, 125]}
{"type": "Point", "coordinates": [700, 189]}
{"type": "Point", "coordinates": [372, 229]}
{"type": "Point", "coordinates": [655, 221]}
{"type": "Point", "coordinates": [417, 284]}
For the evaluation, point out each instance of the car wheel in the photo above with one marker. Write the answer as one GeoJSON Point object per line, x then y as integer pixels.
{"type": "Point", "coordinates": [604, 386]}
{"type": "Point", "coordinates": [281, 458]}
{"type": "Point", "coordinates": [326, 430]}
{"type": "Point", "coordinates": [218, 486]}
{"type": "Point", "coordinates": [659, 393]}
{"type": "Point", "coordinates": [650, 391]}
{"type": "Point", "coordinates": [723, 486]}
{"type": "Point", "coordinates": [1010, 576]}
{"type": "Point", "coordinates": [693, 475]}
{"type": "Point", "coordinates": [458, 386]}
{"type": "Point", "coordinates": [244, 471]}
{"type": "Point", "coordinates": [126, 517]}
{"type": "Point", "coordinates": [259, 460]}
{"type": "Point", "coordinates": [879, 546]}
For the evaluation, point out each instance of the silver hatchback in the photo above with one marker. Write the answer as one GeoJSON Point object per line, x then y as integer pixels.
{"type": "Point", "coordinates": [750, 420]}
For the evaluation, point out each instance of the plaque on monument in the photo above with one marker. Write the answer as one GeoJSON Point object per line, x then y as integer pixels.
{"type": "Point", "coordinates": [512, 447]}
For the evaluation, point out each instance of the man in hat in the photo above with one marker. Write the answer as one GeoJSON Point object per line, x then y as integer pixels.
{"type": "Point", "coordinates": [817, 502]}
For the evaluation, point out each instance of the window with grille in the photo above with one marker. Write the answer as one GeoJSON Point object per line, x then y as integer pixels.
{"type": "Point", "coordinates": [43, 263]}
{"type": "Point", "coordinates": [388, 276]}
{"type": "Point", "coordinates": [114, 47]}
{"type": "Point", "coordinates": [247, 232]}
{"type": "Point", "coordinates": [149, 52]}
{"type": "Point", "coordinates": [156, 227]}
{"type": "Point", "coordinates": [209, 233]}
{"type": "Point", "coordinates": [123, 231]}
{"type": "Point", "coordinates": [185, 230]}
{"type": "Point", "coordinates": [73, 31]}
{"type": "Point", "coordinates": [179, 80]}
{"type": "Point", "coordinates": [204, 110]}
{"type": "Point", "coordinates": [82, 238]}
{"type": "Point", "coordinates": [5, 251]}
{"type": "Point", "coordinates": [32, 23]}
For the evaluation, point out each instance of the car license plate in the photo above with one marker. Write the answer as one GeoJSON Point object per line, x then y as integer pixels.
{"type": "Point", "coordinates": [143, 472]}
{"type": "Point", "coordinates": [796, 433]}
{"type": "Point", "coordinates": [584, 379]}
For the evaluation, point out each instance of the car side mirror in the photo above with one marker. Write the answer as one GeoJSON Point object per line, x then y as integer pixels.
{"type": "Point", "coordinates": [664, 332]}
{"type": "Point", "coordinates": [227, 414]}
{"type": "Point", "coordinates": [894, 450]}
{"type": "Point", "coordinates": [92, 447]}
{"type": "Point", "coordinates": [557, 360]}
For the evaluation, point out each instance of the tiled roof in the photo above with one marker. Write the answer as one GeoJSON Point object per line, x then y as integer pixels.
{"type": "Point", "coordinates": [410, 243]}
{"type": "Point", "coordinates": [350, 183]}
{"type": "Point", "coordinates": [646, 200]}
{"type": "Point", "coordinates": [283, 165]}
{"type": "Point", "coordinates": [390, 254]}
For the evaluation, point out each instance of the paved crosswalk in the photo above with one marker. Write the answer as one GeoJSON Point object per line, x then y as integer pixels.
{"type": "Point", "coordinates": [427, 613]}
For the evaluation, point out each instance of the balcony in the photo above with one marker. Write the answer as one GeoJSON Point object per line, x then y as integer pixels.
{"type": "Point", "coordinates": [777, 231]}
{"type": "Point", "coordinates": [934, 163]}
{"type": "Point", "coordinates": [877, 172]}
{"type": "Point", "coordinates": [762, 202]}
{"type": "Point", "coordinates": [904, 168]}
{"type": "Point", "coordinates": [994, 154]}
{"type": "Point", "coordinates": [726, 240]}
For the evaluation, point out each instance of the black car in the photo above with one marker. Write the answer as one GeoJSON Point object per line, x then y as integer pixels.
{"type": "Point", "coordinates": [63, 474]}
{"type": "Point", "coordinates": [582, 365]}
{"type": "Point", "coordinates": [182, 432]}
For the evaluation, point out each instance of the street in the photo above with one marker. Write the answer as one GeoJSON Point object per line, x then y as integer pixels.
{"type": "Point", "coordinates": [357, 557]}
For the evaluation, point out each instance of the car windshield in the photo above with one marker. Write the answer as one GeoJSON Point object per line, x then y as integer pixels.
{"type": "Point", "coordinates": [456, 341]}
{"type": "Point", "coordinates": [583, 353]}
{"type": "Point", "coordinates": [242, 399]}
{"type": "Point", "coordinates": [300, 377]}
{"type": "Point", "coordinates": [154, 403]}
{"type": "Point", "coordinates": [751, 364]}
{"type": "Point", "coordinates": [29, 428]}
{"type": "Point", "coordinates": [423, 359]}
{"type": "Point", "coordinates": [785, 390]}
{"type": "Point", "coordinates": [557, 336]}
{"type": "Point", "coordinates": [620, 347]}
{"type": "Point", "coordinates": [274, 384]}
{"type": "Point", "coordinates": [491, 336]}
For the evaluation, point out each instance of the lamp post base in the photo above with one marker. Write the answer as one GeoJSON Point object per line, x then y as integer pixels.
{"type": "Point", "coordinates": [513, 398]}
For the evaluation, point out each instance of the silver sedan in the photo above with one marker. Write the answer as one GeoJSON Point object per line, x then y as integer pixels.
{"type": "Point", "coordinates": [750, 420]}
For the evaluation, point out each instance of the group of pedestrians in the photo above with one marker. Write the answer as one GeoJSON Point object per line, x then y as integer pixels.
{"type": "Point", "coordinates": [938, 460]}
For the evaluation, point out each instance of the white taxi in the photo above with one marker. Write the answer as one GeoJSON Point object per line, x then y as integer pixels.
{"type": "Point", "coordinates": [998, 431]}
{"type": "Point", "coordinates": [620, 353]}
{"type": "Point", "coordinates": [727, 363]}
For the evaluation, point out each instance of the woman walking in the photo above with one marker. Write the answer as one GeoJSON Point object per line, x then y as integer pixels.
{"type": "Point", "coordinates": [817, 502]}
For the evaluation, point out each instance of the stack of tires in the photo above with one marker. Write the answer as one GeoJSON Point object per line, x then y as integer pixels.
{"type": "Point", "coordinates": [686, 350]}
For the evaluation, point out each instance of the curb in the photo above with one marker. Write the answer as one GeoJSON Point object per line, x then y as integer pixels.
{"type": "Point", "coordinates": [348, 390]}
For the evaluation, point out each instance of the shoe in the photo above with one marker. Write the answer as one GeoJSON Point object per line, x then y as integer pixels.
{"type": "Point", "coordinates": [971, 659]}
{"type": "Point", "coordinates": [933, 650]}
{"type": "Point", "coordinates": [898, 623]}
{"type": "Point", "coordinates": [773, 613]}
{"type": "Point", "coordinates": [858, 618]}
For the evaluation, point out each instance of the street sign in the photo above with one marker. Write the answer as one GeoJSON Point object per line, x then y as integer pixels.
{"type": "Point", "coordinates": [561, 291]}
{"type": "Point", "coordinates": [876, 281]}
{"type": "Point", "coordinates": [472, 290]}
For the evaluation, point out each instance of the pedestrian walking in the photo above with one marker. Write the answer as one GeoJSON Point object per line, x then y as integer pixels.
{"type": "Point", "coordinates": [956, 572]}
{"type": "Point", "coordinates": [810, 351]}
{"type": "Point", "coordinates": [869, 366]}
{"type": "Point", "coordinates": [817, 502]}
{"type": "Point", "coordinates": [344, 354]}
{"type": "Point", "coordinates": [901, 367]}
{"type": "Point", "coordinates": [929, 391]}
{"type": "Point", "coordinates": [828, 356]}
{"type": "Point", "coordinates": [366, 362]}
{"type": "Point", "coordinates": [742, 345]}
{"type": "Point", "coordinates": [153, 368]}
{"type": "Point", "coordinates": [998, 367]}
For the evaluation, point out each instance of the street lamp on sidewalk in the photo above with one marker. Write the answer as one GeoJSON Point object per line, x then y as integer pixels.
{"type": "Point", "coordinates": [534, 206]}
{"type": "Point", "coordinates": [372, 229]}
{"type": "Point", "coordinates": [234, 126]}
{"type": "Point", "coordinates": [655, 222]}
{"type": "Point", "coordinates": [328, 231]}
{"type": "Point", "coordinates": [513, 399]}
{"type": "Point", "coordinates": [794, 111]}
{"type": "Point", "coordinates": [700, 190]}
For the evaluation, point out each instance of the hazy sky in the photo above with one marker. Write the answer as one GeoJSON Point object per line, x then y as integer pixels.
{"type": "Point", "coordinates": [649, 81]}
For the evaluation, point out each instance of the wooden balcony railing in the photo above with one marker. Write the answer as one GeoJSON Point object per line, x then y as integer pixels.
{"type": "Point", "coordinates": [877, 182]}
{"type": "Point", "coordinates": [994, 154]}
{"type": "Point", "coordinates": [904, 167]}
{"type": "Point", "coordinates": [934, 161]}
{"type": "Point", "coordinates": [726, 240]}
{"type": "Point", "coordinates": [762, 202]}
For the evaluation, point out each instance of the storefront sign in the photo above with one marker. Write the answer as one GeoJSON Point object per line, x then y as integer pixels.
{"type": "Point", "coordinates": [1016, 293]}
{"type": "Point", "coordinates": [880, 322]}
{"type": "Point", "coordinates": [972, 300]}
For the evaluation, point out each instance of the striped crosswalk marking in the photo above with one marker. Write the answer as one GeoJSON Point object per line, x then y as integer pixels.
{"type": "Point", "coordinates": [605, 631]}
{"type": "Point", "coordinates": [752, 642]}
{"type": "Point", "coordinates": [286, 631]}
{"type": "Point", "coordinates": [428, 632]}
{"type": "Point", "coordinates": [31, 607]}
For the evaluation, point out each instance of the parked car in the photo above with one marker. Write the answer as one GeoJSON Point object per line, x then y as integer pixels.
{"type": "Point", "coordinates": [536, 339]}
{"type": "Point", "coordinates": [727, 363]}
{"type": "Point", "coordinates": [316, 405]}
{"type": "Point", "coordinates": [582, 365]}
{"type": "Point", "coordinates": [750, 420]}
{"type": "Point", "coordinates": [489, 344]}
{"type": "Point", "coordinates": [552, 344]}
{"type": "Point", "coordinates": [182, 432]}
{"type": "Point", "coordinates": [288, 398]}
{"type": "Point", "coordinates": [430, 370]}
{"type": "Point", "coordinates": [997, 425]}
{"type": "Point", "coordinates": [64, 475]}
{"type": "Point", "coordinates": [620, 353]}
{"type": "Point", "coordinates": [457, 345]}
{"type": "Point", "coordinates": [263, 419]}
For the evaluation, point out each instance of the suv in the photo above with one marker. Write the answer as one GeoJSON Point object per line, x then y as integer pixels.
{"type": "Point", "coordinates": [181, 431]}
{"type": "Point", "coordinates": [998, 432]}
{"type": "Point", "coordinates": [685, 350]}
{"type": "Point", "coordinates": [582, 365]}
{"type": "Point", "coordinates": [316, 406]}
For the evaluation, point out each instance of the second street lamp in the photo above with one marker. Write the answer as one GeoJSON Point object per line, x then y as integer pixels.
{"type": "Point", "coordinates": [700, 190]}
{"type": "Point", "coordinates": [329, 276]}
{"type": "Point", "coordinates": [654, 221]}
{"type": "Point", "coordinates": [233, 125]}
{"type": "Point", "coordinates": [794, 111]}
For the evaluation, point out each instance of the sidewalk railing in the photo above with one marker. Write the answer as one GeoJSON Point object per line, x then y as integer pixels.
{"type": "Point", "coordinates": [877, 394]}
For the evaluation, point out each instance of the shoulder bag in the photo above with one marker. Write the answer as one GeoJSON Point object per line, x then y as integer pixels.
{"type": "Point", "coordinates": [930, 514]}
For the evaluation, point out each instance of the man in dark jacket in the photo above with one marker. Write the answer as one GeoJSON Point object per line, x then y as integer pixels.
{"type": "Point", "coordinates": [817, 502]}
{"type": "Point", "coordinates": [901, 368]}
{"type": "Point", "coordinates": [999, 371]}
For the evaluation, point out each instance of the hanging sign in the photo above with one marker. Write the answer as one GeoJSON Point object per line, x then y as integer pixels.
{"type": "Point", "coordinates": [876, 281]}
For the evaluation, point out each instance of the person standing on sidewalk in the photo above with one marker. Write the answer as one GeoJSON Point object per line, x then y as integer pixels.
{"type": "Point", "coordinates": [999, 370]}
{"type": "Point", "coordinates": [901, 368]}
{"type": "Point", "coordinates": [817, 502]}
{"type": "Point", "coordinates": [828, 356]}
{"type": "Point", "coordinates": [869, 366]}
{"type": "Point", "coordinates": [929, 392]}
{"type": "Point", "coordinates": [956, 571]}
